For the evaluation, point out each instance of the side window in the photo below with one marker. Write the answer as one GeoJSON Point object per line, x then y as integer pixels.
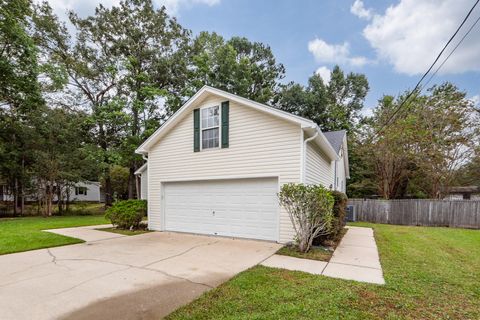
{"type": "Point", "coordinates": [210, 127]}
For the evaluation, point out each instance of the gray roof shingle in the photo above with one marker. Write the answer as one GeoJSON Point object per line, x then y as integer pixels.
{"type": "Point", "coordinates": [336, 139]}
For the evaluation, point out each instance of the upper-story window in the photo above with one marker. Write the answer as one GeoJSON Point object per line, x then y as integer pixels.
{"type": "Point", "coordinates": [210, 128]}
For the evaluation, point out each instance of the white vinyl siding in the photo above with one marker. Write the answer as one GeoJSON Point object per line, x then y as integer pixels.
{"type": "Point", "coordinates": [341, 175]}
{"type": "Point", "coordinates": [261, 145]}
{"type": "Point", "coordinates": [144, 185]}
{"type": "Point", "coordinates": [92, 192]}
{"type": "Point", "coordinates": [317, 166]}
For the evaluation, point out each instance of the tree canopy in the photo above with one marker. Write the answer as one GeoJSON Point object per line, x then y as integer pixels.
{"type": "Point", "coordinates": [76, 101]}
{"type": "Point", "coordinates": [333, 106]}
{"type": "Point", "coordinates": [420, 152]}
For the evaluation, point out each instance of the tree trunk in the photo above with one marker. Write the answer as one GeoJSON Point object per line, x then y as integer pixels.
{"type": "Point", "coordinates": [108, 191]}
{"type": "Point", "coordinates": [67, 199]}
{"type": "Point", "coordinates": [131, 182]}
{"type": "Point", "coordinates": [138, 187]}
{"type": "Point", "coordinates": [22, 191]}
{"type": "Point", "coordinates": [20, 200]}
{"type": "Point", "coordinates": [15, 197]}
{"type": "Point", "coordinates": [303, 244]}
{"type": "Point", "coordinates": [48, 200]}
{"type": "Point", "coordinates": [59, 200]}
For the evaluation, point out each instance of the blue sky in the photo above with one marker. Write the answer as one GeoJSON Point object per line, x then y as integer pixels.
{"type": "Point", "coordinates": [391, 42]}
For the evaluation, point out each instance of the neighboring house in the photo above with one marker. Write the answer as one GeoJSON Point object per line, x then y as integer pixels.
{"type": "Point", "coordinates": [82, 191]}
{"type": "Point", "coordinates": [463, 193]}
{"type": "Point", "coordinates": [216, 166]}
{"type": "Point", "coordinates": [85, 191]}
{"type": "Point", "coordinates": [142, 181]}
{"type": "Point", "coordinates": [4, 191]}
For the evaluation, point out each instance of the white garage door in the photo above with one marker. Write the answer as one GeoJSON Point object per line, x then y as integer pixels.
{"type": "Point", "coordinates": [246, 208]}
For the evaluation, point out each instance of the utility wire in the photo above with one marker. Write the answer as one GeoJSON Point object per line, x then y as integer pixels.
{"type": "Point", "coordinates": [417, 86]}
{"type": "Point", "coordinates": [458, 44]}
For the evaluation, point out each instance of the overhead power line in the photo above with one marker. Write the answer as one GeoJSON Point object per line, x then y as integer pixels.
{"type": "Point", "coordinates": [458, 44]}
{"type": "Point", "coordinates": [417, 86]}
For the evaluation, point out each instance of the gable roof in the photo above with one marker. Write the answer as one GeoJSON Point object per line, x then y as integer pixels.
{"type": "Point", "coordinates": [206, 90]}
{"type": "Point", "coordinates": [336, 139]}
{"type": "Point", "coordinates": [141, 169]}
{"type": "Point", "coordinates": [464, 189]}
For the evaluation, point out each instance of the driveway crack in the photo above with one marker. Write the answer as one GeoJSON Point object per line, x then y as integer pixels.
{"type": "Point", "coordinates": [176, 277]}
{"type": "Point", "coordinates": [54, 260]}
{"type": "Point", "coordinates": [91, 279]}
{"type": "Point", "coordinates": [181, 253]}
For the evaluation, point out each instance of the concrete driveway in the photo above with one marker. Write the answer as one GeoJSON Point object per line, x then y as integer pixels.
{"type": "Point", "coordinates": [139, 277]}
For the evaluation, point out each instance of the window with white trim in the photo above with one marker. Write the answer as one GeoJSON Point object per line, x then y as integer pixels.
{"type": "Point", "coordinates": [80, 191]}
{"type": "Point", "coordinates": [210, 127]}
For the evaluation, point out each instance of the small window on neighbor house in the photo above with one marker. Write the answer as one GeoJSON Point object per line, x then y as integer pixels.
{"type": "Point", "coordinates": [80, 191]}
{"type": "Point", "coordinates": [210, 127]}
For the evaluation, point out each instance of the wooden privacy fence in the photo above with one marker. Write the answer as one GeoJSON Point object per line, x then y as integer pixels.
{"type": "Point", "coordinates": [418, 212]}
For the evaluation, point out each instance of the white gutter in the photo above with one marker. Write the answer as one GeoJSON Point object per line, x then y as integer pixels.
{"type": "Point", "coordinates": [305, 142]}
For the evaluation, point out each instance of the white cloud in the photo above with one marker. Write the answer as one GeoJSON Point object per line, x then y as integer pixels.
{"type": "Point", "coordinates": [87, 7]}
{"type": "Point", "coordinates": [476, 100]}
{"type": "Point", "coordinates": [324, 73]}
{"type": "Point", "coordinates": [358, 9]}
{"type": "Point", "coordinates": [334, 53]}
{"type": "Point", "coordinates": [410, 34]}
{"type": "Point", "coordinates": [173, 6]}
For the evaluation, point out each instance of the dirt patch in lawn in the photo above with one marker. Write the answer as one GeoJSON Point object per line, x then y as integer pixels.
{"type": "Point", "coordinates": [322, 253]}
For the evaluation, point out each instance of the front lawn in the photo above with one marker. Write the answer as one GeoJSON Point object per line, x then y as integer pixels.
{"type": "Point", "coordinates": [431, 273]}
{"type": "Point", "coordinates": [23, 234]}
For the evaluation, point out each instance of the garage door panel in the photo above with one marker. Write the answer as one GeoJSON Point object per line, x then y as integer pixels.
{"type": "Point", "coordinates": [239, 208]}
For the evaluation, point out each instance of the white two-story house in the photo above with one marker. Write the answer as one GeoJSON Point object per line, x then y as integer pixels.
{"type": "Point", "coordinates": [216, 166]}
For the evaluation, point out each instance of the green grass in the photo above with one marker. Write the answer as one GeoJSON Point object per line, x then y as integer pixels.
{"type": "Point", "coordinates": [23, 234]}
{"type": "Point", "coordinates": [315, 253]}
{"type": "Point", "coordinates": [124, 232]}
{"type": "Point", "coordinates": [431, 273]}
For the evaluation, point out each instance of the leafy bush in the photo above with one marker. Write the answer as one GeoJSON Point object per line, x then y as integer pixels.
{"type": "Point", "coordinates": [127, 214]}
{"type": "Point", "coordinates": [310, 209]}
{"type": "Point", "coordinates": [339, 212]}
{"type": "Point", "coordinates": [338, 223]}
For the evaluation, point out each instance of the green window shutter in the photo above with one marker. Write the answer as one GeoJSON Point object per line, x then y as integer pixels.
{"type": "Point", "coordinates": [225, 125]}
{"type": "Point", "coordinates": [196, 130]}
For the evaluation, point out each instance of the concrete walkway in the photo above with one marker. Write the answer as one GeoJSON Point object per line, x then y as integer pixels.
{"type": "Point", "coordinates": [145, 276]}
{"type": "Point", "coordinates": [356, 258]}
{"type": "Point", "coordinates": [87, 233]}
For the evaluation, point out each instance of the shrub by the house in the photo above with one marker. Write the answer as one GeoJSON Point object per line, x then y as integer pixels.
{"type": "Point", "coordinates": [310, 208]}
{"type": "Point", "coordinates": [338, 223]}
{"type": "Point", "coordinates": [127, 214]}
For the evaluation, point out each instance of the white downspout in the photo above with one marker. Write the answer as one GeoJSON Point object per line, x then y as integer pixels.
{"type": "Point", "coordinates": [335, 175]}
{"type": "Point", "coordinates": [144, 157]}
{"type": "Point", "coordinates": [305, 142]}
